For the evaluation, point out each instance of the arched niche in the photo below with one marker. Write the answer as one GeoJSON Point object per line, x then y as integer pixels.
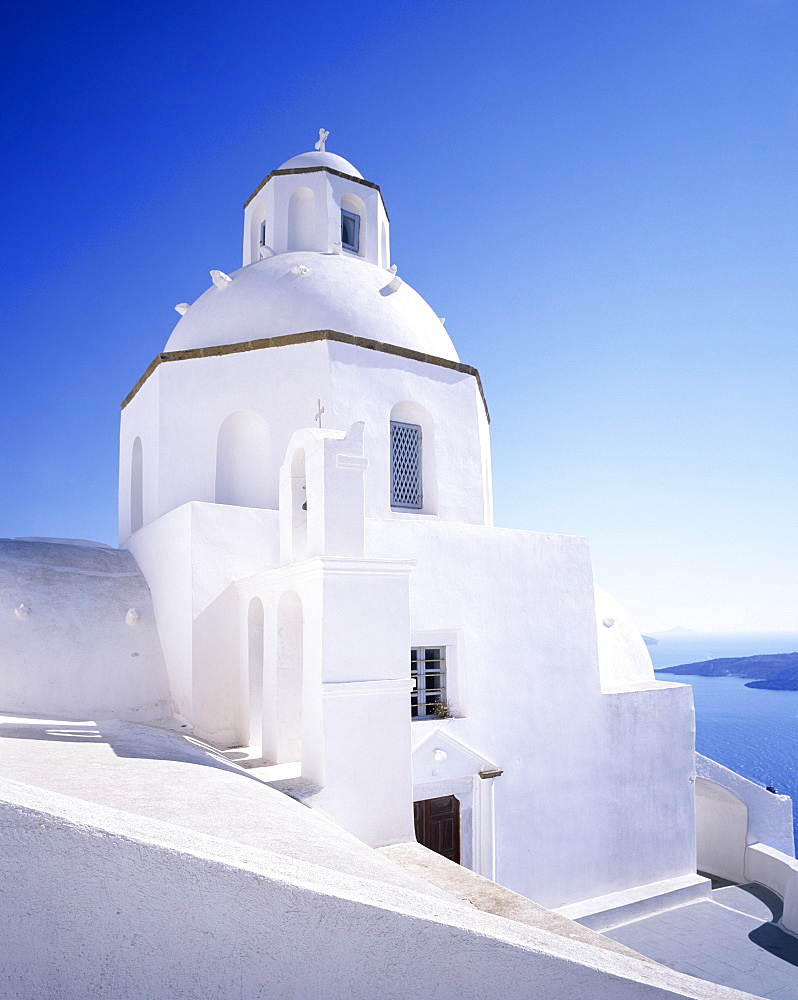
{"type": "Point", "coordinates": [136, 487]}
{"type": "Point", "coordinates": [302, 220]}
{"type": "Point", "coordinates": [244, 473]}
{"type": "Point", "coordinates": [409, 412]}
{"type": "Point", "coordinates": [255, 639]}
{"type": "Point", "coordinates": [299, 507]}
{"type": "Point", "coordinates": [288, 690]}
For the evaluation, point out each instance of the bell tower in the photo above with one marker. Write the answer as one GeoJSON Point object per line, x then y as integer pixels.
{"type": "Point", "coordinates": [319, 202]}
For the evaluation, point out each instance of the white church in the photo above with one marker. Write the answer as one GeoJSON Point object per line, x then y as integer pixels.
{"type": "Point", "coordinates": [317, 728]}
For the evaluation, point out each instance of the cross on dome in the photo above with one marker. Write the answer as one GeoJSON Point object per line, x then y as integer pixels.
{"type": "Point", "coordinates": [323, 136]}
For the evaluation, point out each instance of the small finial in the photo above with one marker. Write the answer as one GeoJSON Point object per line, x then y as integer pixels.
{"type": "Point", "coordinates": [132, 617]}
{"type": "Point", "coordinates": [220, 279]}
{"type": "Point", "coordinates": [21, 611]}
{"type": "Point", "coordinates": [323, 134]}
{"type": "Point", "coordinates": [182, 308]}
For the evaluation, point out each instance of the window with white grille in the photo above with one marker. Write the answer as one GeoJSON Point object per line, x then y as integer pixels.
{"type": "Point", "coordinates": [428, 670]}
{"type": "Point", "coordinates": [406, 465]}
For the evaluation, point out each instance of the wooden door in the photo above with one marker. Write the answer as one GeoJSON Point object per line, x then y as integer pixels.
{"type": "Point", "coordinates": [438, 825]}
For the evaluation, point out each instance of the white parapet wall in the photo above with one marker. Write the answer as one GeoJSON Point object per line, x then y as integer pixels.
{"type": "Point", "coordinates": [745, 833]}
{"type": "Point", "coordinates": [77, 633]}
{"type": "Point", "coordinates": [98, 902]}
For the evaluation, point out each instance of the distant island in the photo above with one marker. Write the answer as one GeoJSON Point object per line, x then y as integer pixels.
{"type": "Point", "coordinates": [773, 671]}
{"type": "Point", "coordinates": [649, 640]}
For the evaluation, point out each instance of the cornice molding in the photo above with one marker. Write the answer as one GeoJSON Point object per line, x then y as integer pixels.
{"type": "Point", "coordinates": [310, 337]}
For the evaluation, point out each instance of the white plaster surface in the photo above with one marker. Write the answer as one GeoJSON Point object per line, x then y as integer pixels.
{"type": "Point", "coordinates": [624, 659]}
{"type": "Point", "coordinates": [337, 292]}
{"type": "Point", "coordinates": [283, 387]}
{"type": "Point", "coordinates": [769, 816]}
{"type": "Point", "coordinates": [174, 778]}
{"type": "Point", "coordinates": [73, 651]}
{"type": "Point", "coordinates": [315, 158]}
{"type": "Point", "coordinates": [98, 902]}
{"type": "Point", "coordinates": [600, 784]}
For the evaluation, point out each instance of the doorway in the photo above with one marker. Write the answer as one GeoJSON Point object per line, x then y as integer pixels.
{"type": "Point", "coordinates": [438, 825]}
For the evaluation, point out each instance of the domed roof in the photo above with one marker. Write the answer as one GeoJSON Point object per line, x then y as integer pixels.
{"type": "Point", "coordinates": [319, 159]}
{"type": "Point", "coordinates": [303, 291]}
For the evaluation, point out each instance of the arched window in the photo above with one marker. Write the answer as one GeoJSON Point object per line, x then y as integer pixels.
{"type": "Point", "coordinates": [412, 459]}
{"type": "Point", "coordinates": [406, 490]}
{"type": "Point", "coordinates": [353, 217]}
{"type": "Point", "coordinates": [244, 473]}
{"type": "Point", "coordinates": [136, 487]}
{"type": "Point", "coordinates": [302, 220]}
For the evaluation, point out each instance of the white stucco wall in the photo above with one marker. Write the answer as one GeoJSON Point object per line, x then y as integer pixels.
{"type": "Point", "coordinates": [624, 659]}
{"type": "Point", "coordinates": [190, 558]}
{"type": "Point", "coordinates": [300, 291]}
{"type": "Point", "coordinates": [145, 909]}
{"type": "Point", "coordinates": [596, 794]}
{"type": "Point", "coordinates": [330, 193]}
{"type": "Point", "coordinates": [283, 386]}
{"type": "Point", "coordinates": [140, 419]}
{"type": "Point", "coordinates": [73, 648]}
{"type": "Point", "coordinates": [769, 816]}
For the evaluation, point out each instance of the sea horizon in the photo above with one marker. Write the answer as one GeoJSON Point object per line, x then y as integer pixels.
{"type": "Point", "coordinates": [752, 731]}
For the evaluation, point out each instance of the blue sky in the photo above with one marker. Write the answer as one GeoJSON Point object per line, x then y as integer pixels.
{"type": "Point", "coordinates": [600, 198]}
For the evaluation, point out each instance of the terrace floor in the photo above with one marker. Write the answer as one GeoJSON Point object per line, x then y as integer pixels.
{"type": "Point", "coordinates": [732, 938]}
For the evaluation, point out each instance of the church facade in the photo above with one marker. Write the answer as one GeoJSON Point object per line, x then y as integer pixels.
{"type": "Point", "coordinates": [305, 482]}
{"type": "Point", "coordinates": [309, 586]}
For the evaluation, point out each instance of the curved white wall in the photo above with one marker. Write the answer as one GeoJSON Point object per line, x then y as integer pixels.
{"type": "Point", "coordinates": [85, 643]}
{"type": "Point", "coordinates": [624, 660]}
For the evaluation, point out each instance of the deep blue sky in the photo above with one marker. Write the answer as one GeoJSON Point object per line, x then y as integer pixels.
{"type": "Point", "coordinates": [600, 198]}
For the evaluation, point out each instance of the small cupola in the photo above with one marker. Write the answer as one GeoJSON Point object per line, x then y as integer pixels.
{"type": "Point", "coordinates": [317, 201]}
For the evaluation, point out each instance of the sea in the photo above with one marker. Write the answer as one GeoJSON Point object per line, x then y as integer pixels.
{"type": "Point", "coordinates": [751, 731]}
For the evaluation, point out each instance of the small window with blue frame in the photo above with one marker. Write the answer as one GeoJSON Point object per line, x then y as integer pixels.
{"type": "Point", "coordinates": [428, 670]}
{"type": "Point", "coordinates": [350, 231]}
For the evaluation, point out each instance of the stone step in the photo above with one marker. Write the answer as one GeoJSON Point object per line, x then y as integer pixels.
{"type": "Point", "coordinates": [603, 912]}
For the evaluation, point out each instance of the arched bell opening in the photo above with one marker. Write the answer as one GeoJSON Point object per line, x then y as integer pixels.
{"type": "Point", "coordinates": [302, 220]}
{"type": "Point", "coordinates": [255, 640]}
{"type": "Point", "coordinates": [289, 681]}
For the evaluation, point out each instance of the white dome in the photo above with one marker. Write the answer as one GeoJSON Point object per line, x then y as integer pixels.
{"type": "Point", "coordinates": [318, 159]}
{"type": "Point", "coordinates": [336, 292]}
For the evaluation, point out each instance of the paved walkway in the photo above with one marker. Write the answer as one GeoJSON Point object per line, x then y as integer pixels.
{"type": "Point", "coordinates": [731, 939]}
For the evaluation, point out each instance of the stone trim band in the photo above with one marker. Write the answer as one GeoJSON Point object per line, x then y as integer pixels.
{"type": "Point", "coordinates": [315, 170]}
{"type": "Point", "coordinates": [310, 337]}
